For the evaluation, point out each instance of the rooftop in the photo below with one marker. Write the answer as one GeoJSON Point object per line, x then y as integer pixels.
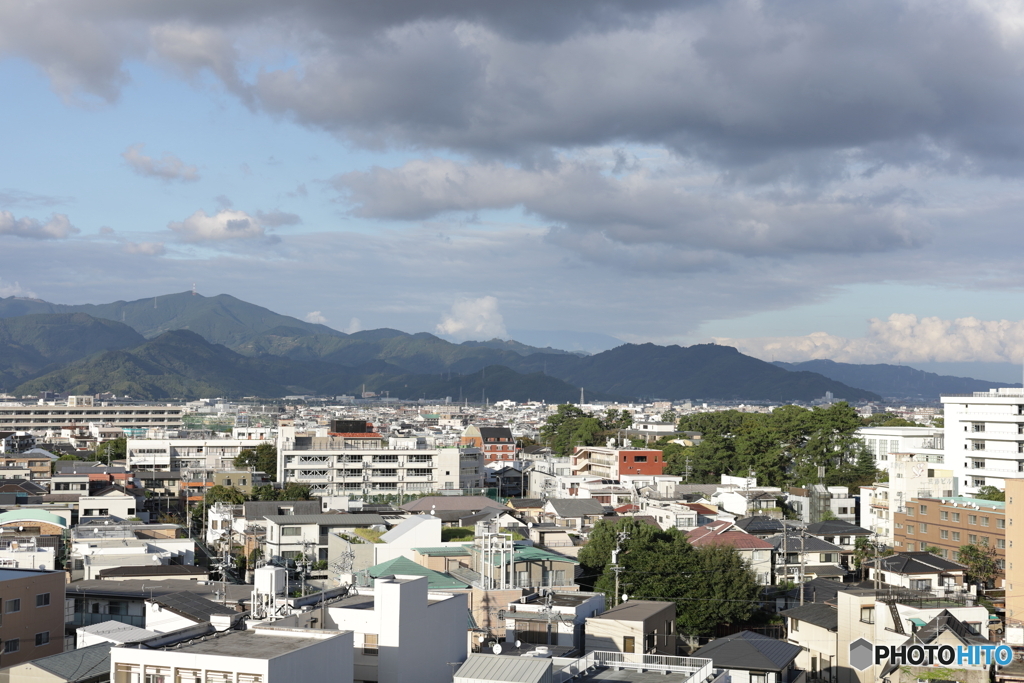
{"type": "Point", "coordinates": [253, 644]}
{"type": "Point", "coordinates": [634, 610]}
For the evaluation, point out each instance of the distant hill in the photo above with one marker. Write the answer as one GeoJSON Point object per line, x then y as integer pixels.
{"type": "Point", "coordinates": [220, 319]}
{"type": "Point", "coordinates": [700, 371]}
{"type": "Point", "coordinates": [896, 381]}
{"type": "Point", "coordinates": [181, 364]}
{"type": "Point", "coordinates": [31, 345]}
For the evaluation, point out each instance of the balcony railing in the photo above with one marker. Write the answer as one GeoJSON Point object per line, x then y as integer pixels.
{"type": "Point", "coordinates": [698, 669]}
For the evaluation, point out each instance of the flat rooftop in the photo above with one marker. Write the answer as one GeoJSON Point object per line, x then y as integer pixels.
{"type": "Point", "coordinates": [9, 574]}
{"type": "Point", "coordinates": [250, 644]}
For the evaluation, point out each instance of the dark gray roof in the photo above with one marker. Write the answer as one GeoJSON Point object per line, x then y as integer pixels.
{"type": "Point", "coordinates": [143, 571]}
{"type": "Point", "coordinates": [567, 507]}
{"type": "Point", "coordinates": [503, 433]}
{"type": "Point", "coordinates": [795, 543]}
{"type": "Point", "coordinates": [191, 606]}
{"type": "Point", "coordinates": [258, 509]}
{"type": "Point", "coordinates": [749, 651]}
{"type": "Point", "coordinates": [759, 524]}
{"type": "Point", "coordinates": [819, 614]}
{"type": "Point", "coordinates": [520, 503]}
{"type": "Point", "coordinates": [327, 520]}
{"type": "Point", "coordinates": [823, 590]}
{"type": "Point", "coordinates": [634, 610]}
{"type": "Point", "coordinates": [824, 570]}
{"type": "Point", "coordinates": [916, 563]}
{"type": "Point", "coordinates": [439, 503]}
{"type": "Point", "coordinates": [78, 665]}
{"type": "Point", "coordinates": [945, 621]}
{"type": "Point", "coordinates": [836, 527]}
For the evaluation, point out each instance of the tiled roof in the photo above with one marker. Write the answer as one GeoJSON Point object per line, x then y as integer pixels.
{"type": "Point", "coordinates": [749, 651]}
{"type": "Point", "coordinates": [817, 613]}
{"type": "Point", "coordinates": [78, 665]}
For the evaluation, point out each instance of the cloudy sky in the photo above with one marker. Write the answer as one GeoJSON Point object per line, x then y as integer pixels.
{"type": "Point", "coordinates": [800, 179]}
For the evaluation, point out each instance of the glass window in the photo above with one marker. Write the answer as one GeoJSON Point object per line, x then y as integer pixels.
{"type": "Point", "coordinates": [370, 644]}
{"type": "Point", "coordinates": [1000, 523]}
{"type": "Point", "coordinates": [972, 519]}
{"type": "Point", "coordinates": [924, 509]}
{"type": "Point", "coordinates": [943, 515]}
{"type": "Point", "coordinates": [12, 645]}
{"type": "Point", "coordinates": [984, 521]}
{"type": "Point", "coordinates": [291, 531]}
{"type": "Point", "coordinates": [956, 516]}
{"type": "Point", "coordinates": [12, 606]}
{"type": "Point", "coordinates": [943, 533]}
{"type": "Point", "coordinates": [628, 644]}
{"type": "Point", "coordinates": [971, 538]}
{"type": "Point", "coordinates": [1001, 543]}
{"type": "Point", "coordinates": [867, 615]}
{"type": "Point", "coordinates": [956, 535]}
{"type": "Point", "coordinates": [42, 600]}
{"type": "Point", "coordinates": [42, 638]}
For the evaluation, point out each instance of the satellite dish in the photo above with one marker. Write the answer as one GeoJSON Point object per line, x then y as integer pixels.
{"type": "Point", "coordinates": [529, 525]}
{"type": "Point", "coordinates": [625, 598]}
{"type": "Point", "coordinates": [519, 643]}
{"type": "Point", "coordinates": [496, 649]}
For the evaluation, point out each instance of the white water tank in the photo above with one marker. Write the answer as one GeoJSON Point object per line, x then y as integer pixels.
{"type": "Point", "coordinates": [270, 580]}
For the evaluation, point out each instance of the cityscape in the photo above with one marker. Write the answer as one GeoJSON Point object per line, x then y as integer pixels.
{"type": "Point", "coordinates": [439, 342]}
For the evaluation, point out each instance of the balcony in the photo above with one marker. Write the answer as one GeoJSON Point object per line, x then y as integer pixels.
{"type": "Point", "coordinates": [692, 669]}
{"type": "Point", "coordinates": [88, 619]}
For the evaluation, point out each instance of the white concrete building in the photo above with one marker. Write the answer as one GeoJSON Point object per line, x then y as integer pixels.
{"type": "Point", "coordinates": [265, 654]}
{"type": "Point", "coordinates": [984, 438]}
{"type": "Point", "coordinates": [882, 442]}
{"type": "Point", "coordinates": [187, 454]}
{"type": "Point", "coordinates": [909, 477]}
{"type": "Point", "coordinates": [404, 633]}
{"type": "Point", "coordinates": [82, 410]}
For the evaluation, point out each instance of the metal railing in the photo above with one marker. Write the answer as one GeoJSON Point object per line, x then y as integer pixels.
{"type": "Point", "coordinates": [700, 669]}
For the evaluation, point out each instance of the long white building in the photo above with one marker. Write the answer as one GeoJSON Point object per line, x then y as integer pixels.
{"type": "Point", "coordinates": [984, 438]}
{"type": "Point", "coordinates": [183, 454]}
{"type": "Point", "coordinates": [81, 411]}
{"type": "Point", "coordinates": [884, 442]}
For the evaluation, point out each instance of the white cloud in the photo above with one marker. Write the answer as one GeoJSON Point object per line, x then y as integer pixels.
{"type": "Point", "coordinates": [473, 319]}
{"type": "Point", "coordinates": [354, 325]}
{"type": "Point", "coordinates": [315, 317]}
{"type": "Point", "coordinates": [145, 248]}
{"type": "Point", "coordinates": [57, 228]}
{"type": "Point", "coordinates": [902, 338]}
{"type": "Point", "coordinates": [15, 289]}
{"type": "Point", "coordinates": [168, 167]}
{"type": "Point", "coordinates": [223, 225]}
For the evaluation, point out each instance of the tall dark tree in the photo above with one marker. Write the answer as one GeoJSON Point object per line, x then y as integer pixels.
{"type": "Point", "coordinates": [571, 427]}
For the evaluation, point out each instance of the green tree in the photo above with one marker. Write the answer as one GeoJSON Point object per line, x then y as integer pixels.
{"type": "Point", "coordinates": [669, 416]}
{"type": "Point", "coordinates": [990, 493]}
{"type": "Point", "coordinates": [224, 494]}
{"type": "Point", "coordinates": [982, 565]}
{"type": "Point", "coordinates": [886, 420]}
{"type": "Point", "coordinates": [293, 491]}
{"type": "Point", "coordinates": [864, 550]}
{"type": "Point", "coordinates": [616, 419]}
{"type": "Point", "coordinates": [262, 459]}
{"type": "Point", "coordinates": [571, 427]}
{"type": "Point", "coordinates": [108, 451]}
{"type": "Point", "coordinates": [711, 585]}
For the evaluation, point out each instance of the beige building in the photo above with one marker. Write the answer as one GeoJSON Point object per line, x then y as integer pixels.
{"type": "Point", "coordinates": [49, 417]}
{"type": "Point", "coordinates": [1014, 580]}
{"type": "Point", "coordinates": [640, 626]}
{"type": "Point", "coordinates": [32, 625]}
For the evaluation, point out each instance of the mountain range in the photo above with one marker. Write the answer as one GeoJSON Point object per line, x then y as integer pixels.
{"type": "Point", "coordinates": [184, 345]}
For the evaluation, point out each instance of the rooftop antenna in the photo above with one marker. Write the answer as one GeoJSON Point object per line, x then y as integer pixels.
{"type": "Point", "coordinates": [581, 395]}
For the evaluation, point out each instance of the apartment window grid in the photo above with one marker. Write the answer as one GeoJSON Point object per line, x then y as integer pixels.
{"type": "Point", "coordinates": [943, 515]}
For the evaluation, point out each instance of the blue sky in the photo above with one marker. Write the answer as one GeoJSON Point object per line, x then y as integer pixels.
{"type": "Point", "coordinates": [798, 180]}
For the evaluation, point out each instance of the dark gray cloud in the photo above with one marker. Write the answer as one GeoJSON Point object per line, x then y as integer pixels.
{"type": "Point", "coordinates": [275, 218]}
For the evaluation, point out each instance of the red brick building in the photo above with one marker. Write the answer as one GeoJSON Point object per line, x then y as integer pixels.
{"type": "Point", "coordinates": [497, 443]}
{"type": "Point", "coordinates": [613, 463]}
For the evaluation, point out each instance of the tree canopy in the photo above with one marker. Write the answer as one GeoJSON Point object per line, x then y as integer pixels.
{"type": "Point", "coordinates": [990, 493]}
{"type": "Point", "coordinates": [981, 562]}
{"type": "Point", "coordinates": [262, 459]}
{"type": "Point", "coordinates": [711, 585]}
{"type": "Point", "coordinates": [887, 420]}
{"type": "Point", "coordinates": [782, 448]}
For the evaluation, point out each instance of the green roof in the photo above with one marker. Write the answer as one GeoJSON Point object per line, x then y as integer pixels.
{"type": "Point", "coordinates": [529, 553]}
{"type": "Point", "coordinates": [30, 515]}
{"type": "Point", "coordinates": [451, 551]}
{"type": "Point", "coordinates": [917, 622]}
{"type": "Point", "coordinates": [405, 566]}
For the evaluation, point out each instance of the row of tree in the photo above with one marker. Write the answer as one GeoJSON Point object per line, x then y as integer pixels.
{"type": "Point", "coordinates": [781, 448]}
{"type": "Point", "coordinates": [571, 427]}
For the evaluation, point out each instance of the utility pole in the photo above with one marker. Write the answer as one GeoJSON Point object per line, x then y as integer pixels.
{"type": "Point", "coordinates": [615, 564]}
{"type": "Point", "coordinates": [802, 543]}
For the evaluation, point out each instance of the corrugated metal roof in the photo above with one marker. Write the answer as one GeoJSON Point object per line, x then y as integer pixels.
{"type": "Point", "coordinates": [480, 668]}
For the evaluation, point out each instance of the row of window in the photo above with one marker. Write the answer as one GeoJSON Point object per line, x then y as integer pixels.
{"type": "Point", "coordinates": [946, 515]}
{"type": "Point", "coordinates": [14, 644]}
{"type": "Point", "coordinates": [14, 605]}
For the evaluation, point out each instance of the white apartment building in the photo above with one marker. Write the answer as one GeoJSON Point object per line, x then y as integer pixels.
{"type": "Point", "coordinates": [187, 454]}
{"type": "Point", "coordinates": [368, 463]}
{"type": "Point", "coordinates": [882, 442]}
{"type": "Point", "coordinates": [265, 654]}
{"type": "Point", "coordinates": [984, 434]}
{"type": "Point", "coordinates": [910, 476]}
{"type": "Point", "coordinates": [81, 410]}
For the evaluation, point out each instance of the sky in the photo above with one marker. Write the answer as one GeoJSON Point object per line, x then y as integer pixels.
{"type": "Point", "coordinates": [798, 179]}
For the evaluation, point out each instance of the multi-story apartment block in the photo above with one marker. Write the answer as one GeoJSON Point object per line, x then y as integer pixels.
{"type": "Point", "coordinates": [984, 438]}
{"type": "Point", "coordinates": [187, 454]}
{"type": "Point", "coordinates": [359, 461]}
{"type": "Point", "coordinates": [33, 464]}
{"type": "Point", "coordinates": [81, 410]}
{"type": "Point", "coordinates": [948, 524]}
{"type": "Point", "coordinates": [16, 442]}
{"type": "Point", "coordinates": [613, 463]}
{"type": "Point", "coordinates": [497, 443]}
{"type": "Point", "coordinates": [32, 625]}
{"type": "Point", "coordinates": [883, 442]}
{"type": "Point", "coordinates": [1014, 573]}
{"type": "Point", "coordinates": [910, 476]}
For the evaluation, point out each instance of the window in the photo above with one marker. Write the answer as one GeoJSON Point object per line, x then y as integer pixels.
{"type": "Point", "coordinates": [956, 535]}
{"type": "Point", "coordinates": [972, 519]}
{"type": "Point", "coordinates": [43, 600]}
{"type": "Point", "coordinates": [910, 511]}
{"type": "Point", "coordinates": [758, 678]}
{"type": "Point", "coordinates": [12, 645]}
{"type": "Point", "coordinates": [12, 606]}
{"type": "Point", "coordinates": [640, 458]}
{"type": "Point", "coordinates": [984, 521]}
{"type": "Point", "coordinates": [1000, 523]}
{"type": "Point", "coordinates": [1001, 543]}
{"type": "Point", "coordinates": [910, 530]}
{"type": "Point", "coordinates": [42, 638]}
{"type": "Point", "coordinates": [187, 676]}
{"type": "Point", "coordinates": [943, 534]}
{"type": "Point", "coordinates": [956, 516]}
{"type": "Point", "coordinates": [794, 624]}
{"type": "Point", "coordinates": [924, 509]}
{"type": "Point", "coordinates": [972, 539]}
{"type": "Point", "coordinates": [370, 644]}
{"type": "Point", "coordinates": [923, 528]}
{"type": "Point", "coordinates": [628, 644]}
{"type": "Point", "coordinates": [158, 674]}
{"type": "Point", "coordinates": [291, 531]}
{"type": "Point", "coordinates": [867, 615]}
